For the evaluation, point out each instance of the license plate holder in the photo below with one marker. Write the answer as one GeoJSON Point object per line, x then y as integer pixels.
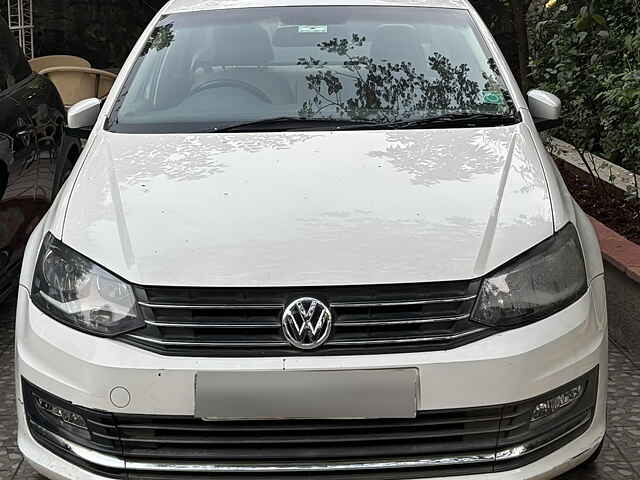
{"type": "Point", "coordinates": [337, 394]}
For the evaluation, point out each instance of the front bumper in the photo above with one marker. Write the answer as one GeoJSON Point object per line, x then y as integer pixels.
{"type": "Point", "coordinates": [506, 368]}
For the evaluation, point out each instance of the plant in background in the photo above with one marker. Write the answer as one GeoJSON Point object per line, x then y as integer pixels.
{"type": "Point", "coordinates": [507, 19]}
{"type": "Point", "coordinates": [577, 50]}
{"type": "Point", "coordinates": [621, 110]}
{"type": "Point", "coordinates": [571, 53]}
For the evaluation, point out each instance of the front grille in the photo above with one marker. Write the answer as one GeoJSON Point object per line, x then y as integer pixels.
{"type": "Point", "coordinates": [367, 319]}
{"type": "Point", "coordinates": [435, 443]}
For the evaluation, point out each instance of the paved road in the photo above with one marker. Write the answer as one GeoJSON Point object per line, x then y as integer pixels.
{"type": "Point", "coordinates": [620, 458]}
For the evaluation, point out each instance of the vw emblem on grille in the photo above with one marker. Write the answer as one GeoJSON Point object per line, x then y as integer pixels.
{"type": "Point", "coordinates": [306, 323]}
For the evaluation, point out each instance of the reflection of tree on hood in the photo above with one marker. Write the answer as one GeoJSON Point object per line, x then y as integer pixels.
{"type": "Point", "coordinates": [390, 91]}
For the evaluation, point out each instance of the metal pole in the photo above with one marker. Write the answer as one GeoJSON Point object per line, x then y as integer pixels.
{"type": "Point", "coordinates": [21, 23]}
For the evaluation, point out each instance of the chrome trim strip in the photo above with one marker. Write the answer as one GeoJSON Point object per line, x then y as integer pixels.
{"type": "Point", "coordinates": [157, 341]}
{"type": "Point", "coordinates": [401, 303]}
{"type": "Point", "coordinates": [79, 451]}
{"type": "Point", "coordinates": [432, 462]}
{"type": "Point", "coordinates": [211, 307]}
{"type": "Point", "coordinates": [406, 340]}
{"type": "Point", "coordinates": [400, 321]}
{"type": "Point", "coordinates": [209, 325]}
{"type": "Point", "coordinates": [285, 344]}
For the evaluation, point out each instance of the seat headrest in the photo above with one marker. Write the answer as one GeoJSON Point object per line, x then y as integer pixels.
{"type": "Point", "coordinates": [242, 45]}
{"type": "Point", "coordinates": [398, 43]}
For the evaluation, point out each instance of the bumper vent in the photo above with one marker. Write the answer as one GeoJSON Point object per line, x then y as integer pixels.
{"type": "Point", "coordinates": [247, 321]}
{"type": "Point", "coordinates": [434, 444]}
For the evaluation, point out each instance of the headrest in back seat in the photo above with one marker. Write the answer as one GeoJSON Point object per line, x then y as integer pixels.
{"type": "Point", "coordinates": [398, 43]}
{"type": "Point", "coordinates": [242, 45]}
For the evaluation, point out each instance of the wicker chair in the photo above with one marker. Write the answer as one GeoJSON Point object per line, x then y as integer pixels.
{"type": "Point", "coordinates": [42, 63]}
{"type": "Point", "coordinates": [78, 83]}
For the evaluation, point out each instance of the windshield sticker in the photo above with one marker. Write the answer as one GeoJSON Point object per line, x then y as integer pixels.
{"type": "Point", "coordinates": [313, 28]}
{"type": "Point", "coordinates": [492, 97]}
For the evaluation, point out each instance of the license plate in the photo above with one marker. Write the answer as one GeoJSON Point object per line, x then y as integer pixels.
{"type": "Point", "coordinates": [343, 394]}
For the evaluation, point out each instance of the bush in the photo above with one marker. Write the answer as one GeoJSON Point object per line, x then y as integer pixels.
{"type": "Point", "coordinates": [589, 55]}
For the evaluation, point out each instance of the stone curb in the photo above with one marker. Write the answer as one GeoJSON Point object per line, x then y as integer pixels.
{"type": "Point", "coordinates": [607, 171]}
{"type": "Point", "coordinates": [623, 254]}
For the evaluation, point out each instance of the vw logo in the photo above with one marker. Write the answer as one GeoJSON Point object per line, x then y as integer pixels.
{"type": "Point", "coordinates": [306, 323]}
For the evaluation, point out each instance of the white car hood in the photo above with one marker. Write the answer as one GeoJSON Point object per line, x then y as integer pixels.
{"type": "Point", "coordinates": [307, 209]}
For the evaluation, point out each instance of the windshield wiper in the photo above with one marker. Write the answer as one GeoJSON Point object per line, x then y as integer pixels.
{"type": "Point", "coordinates": [300, 123]}
{"type": "Point", "coordinates": [463, 119]}
{"type": "Point", "coordinates": [289, 123]}
{"type": "Point", "coordinates": [449, 120]}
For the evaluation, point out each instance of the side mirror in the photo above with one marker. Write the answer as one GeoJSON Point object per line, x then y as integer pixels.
{"type": "Point", "coordinates": [82, 117]}
{"type": "Point", "coordinates": [545, 108]}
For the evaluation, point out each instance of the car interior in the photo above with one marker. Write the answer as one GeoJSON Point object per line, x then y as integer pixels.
{"type": "Point", "coordinates": [265, 68]}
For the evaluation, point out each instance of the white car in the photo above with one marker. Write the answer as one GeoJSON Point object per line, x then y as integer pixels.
{"type": "Point", "coordinates": [313, 240]}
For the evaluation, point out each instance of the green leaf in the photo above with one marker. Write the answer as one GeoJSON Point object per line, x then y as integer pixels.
{"type": "Point", "coordinates": [583, 23]}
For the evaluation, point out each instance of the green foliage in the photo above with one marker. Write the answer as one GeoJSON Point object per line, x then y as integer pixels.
{"type": "Point", "coordinates": [588, 53]}
{"type": "Point", "coordinates": [621, 109]}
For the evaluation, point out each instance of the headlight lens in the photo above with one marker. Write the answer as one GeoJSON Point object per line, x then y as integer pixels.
{"type": "Point", "coordinates": [75, 291]}
{"type": "Point", "coordinates": [540, 283]}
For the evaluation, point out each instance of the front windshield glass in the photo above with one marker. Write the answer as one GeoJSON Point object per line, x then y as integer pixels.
{"type": "Point", "coordinates": [206, 71]}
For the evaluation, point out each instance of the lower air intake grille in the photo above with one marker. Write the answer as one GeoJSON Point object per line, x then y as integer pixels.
{"type": "Point", "coordinates": [435, 443]}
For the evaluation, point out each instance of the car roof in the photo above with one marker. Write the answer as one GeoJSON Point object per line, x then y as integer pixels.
{"type": "Point", "coordinates": [178, 6]}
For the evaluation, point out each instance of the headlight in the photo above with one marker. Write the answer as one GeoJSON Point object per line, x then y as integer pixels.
{"type": "Point", "coordinates": [75, 291]}
{"type": "Point", "coordinates": [543, 281]}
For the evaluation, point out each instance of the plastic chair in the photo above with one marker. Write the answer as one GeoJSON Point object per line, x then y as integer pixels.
{"type": "Point", "coordinates": [78, 83]}
{"type": "Point", "coordinates": [42, 63]}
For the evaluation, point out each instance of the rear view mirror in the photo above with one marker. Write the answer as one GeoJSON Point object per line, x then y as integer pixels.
{"type": "Point", "coordinates": [545, 108]}
{"type": "Point", "coordinates": [83, 116]}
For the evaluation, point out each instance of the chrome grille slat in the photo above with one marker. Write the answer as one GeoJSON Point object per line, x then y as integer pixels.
{"type": "Point", "coordinates": [401, 303]}
{"type": "Point", "coordinates": [211, 325]}
{"type": "Point", "coordinates": [208, 344]}
{"type": "Point", "coordinates": [431, 339]}
{"type": "Point", "coordinates": [169, 306]}
{"type": "Point", "coordinates": [401, 321]}
{"type": "Point", "coordinates": [434, 338]}
{"type": "Point", "coordinates": [247, 322]}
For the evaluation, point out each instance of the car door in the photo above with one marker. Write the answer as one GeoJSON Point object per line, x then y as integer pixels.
{"type": "Point", "coordinates": [31, 137]}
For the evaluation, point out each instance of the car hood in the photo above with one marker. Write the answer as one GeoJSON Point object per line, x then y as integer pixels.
{"type": "Point", "coordinates": [313, 208]}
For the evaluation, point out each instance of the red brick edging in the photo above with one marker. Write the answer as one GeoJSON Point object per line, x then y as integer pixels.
{"type": "Point", "coordinates": [618, 251]}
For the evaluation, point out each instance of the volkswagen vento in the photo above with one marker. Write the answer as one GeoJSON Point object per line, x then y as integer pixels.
{"type": "Point", "coordinates": [313, 240]}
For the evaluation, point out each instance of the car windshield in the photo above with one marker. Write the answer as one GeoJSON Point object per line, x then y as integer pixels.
{"type": "Point", "coordinates": [326, 66]}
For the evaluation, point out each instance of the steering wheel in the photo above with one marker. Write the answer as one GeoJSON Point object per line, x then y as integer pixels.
{"type": "Point", "coordinates": [233, 83]}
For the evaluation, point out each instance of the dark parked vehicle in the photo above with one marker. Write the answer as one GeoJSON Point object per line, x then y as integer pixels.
{"type": "Point", "coordinates": [35, 153]}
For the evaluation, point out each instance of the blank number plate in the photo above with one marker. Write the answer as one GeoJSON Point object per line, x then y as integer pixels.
{"type": "Point", "coordinates": [339, 394]}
